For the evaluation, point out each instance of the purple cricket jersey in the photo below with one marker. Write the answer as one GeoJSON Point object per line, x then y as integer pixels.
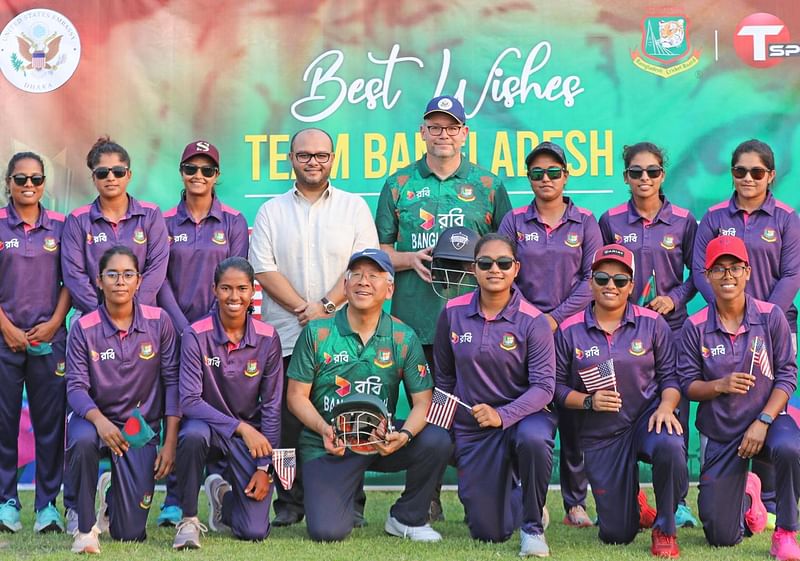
{"type": "Point", "coordinates": [556, 263]}
{"type": "Point", "coordinates": [708, 352]}
{"type": "Point", "coordinates": [88, 234]}
{"type": "Point", "coordinates": [116, 371]}
{"type": "Point", "coordinates": [30, 268]}
{"type": "Point", "coordinates": [772, 237]}
{"type": "Point", "coordinates": [507, 362]}
{"type": "Point", "coordinates": [195, 249]}
{"type": "Point", "coordinates": [644, 364]}
{"type": "Point", "coordinates": [664, 245]}
{"type": "Point", "coordinates": [223, 385]}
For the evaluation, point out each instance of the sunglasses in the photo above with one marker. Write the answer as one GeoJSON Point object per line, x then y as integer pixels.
{"type": "Point", "coordinates": [102, 172]}
{"type": "Point", "coordinates": [537, 174]}
{"type": "Point", "coordinates": [503, 263]}
{"type": "Point", "coordinates": [740, 172]}
{"type": "Point", "coordinates": [620, 280]}
{"type": "Point", "coordinates": [636, 172]}
{"type": "Point", "coordinates": [21, 180]}
{"type": "Point", "coordinates": [191, 169]}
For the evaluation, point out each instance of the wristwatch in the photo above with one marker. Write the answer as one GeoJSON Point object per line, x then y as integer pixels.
{"type": "Point", "coordinates": [588, 402]}
{"type": "Point", "coordinates": [329, 306]}
{"type": "Point", "coordinates": [765, 418]}
{"type": "Point", "coordinates": [408, 434]}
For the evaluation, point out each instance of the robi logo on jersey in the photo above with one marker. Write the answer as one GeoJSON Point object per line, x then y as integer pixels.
{"type": "Point", "coordinates": [762, 40]}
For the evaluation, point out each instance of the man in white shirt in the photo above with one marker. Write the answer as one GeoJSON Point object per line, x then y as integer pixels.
{"type": "Point", "coordinates": [299, 248]}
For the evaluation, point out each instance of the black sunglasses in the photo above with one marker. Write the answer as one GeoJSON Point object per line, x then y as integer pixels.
{"type": "Point", "coordinates": [102, 172]}
{"type": "Point", "coordinates": [191, 169]}
{"type": "Point", "coordinates": [537, 174]}
{"type": "Point", "coordinates": [636, 172]}
{"type": "Point", "coordinates": [620, 280]}
{"type": "Point", "coordinates": [503, 263]}
{"type": "Point", "coordinates": [21, 180]}
{"type": "Point", "coordinates": [740, 172]}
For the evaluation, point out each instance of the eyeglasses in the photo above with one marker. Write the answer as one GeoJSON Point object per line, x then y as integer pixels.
{"type": "Point", "coordinates": [305, 157]}
{"type": "Point", "coordinates": [537, 174]}
{"type": "Point", "coordinates": [503, 263]}
{"type": "Point", "coordinates": [191, 169]}
{"type": "Point", "coordinates": [102, 172]}
{"type": "Point", "coordinates": [636, 172]}
{"type": "Point", "coordinates": [620, 280]}
{"type": "Point", "coordinates": [114, 276]}
{"type": "Point", "coordinates": [719, 272]}
{"type": "Point", "coordinates": [21, 180]}
{"type": "Point", "coordinates": [740, 172]}
{"type": "Point", "coordinates": [451, 130]}
{"type": "Point", "coordinates": [370, 277]}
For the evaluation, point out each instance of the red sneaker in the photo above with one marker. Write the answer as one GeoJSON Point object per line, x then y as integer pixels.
{"type": "Point", "coordinates": [664, 545]}
{"type": "Point", "coordinates": [756, 515]}
{"type": "Point", "coordinates": [647, 514]}
{"type": "Point", "coordinates": [784, 546]}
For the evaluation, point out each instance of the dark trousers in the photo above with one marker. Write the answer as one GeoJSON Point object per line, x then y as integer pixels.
{"type": "Point", "coordinates": [332, 483]}
{"type": "Point", "coordinates": [47, 400]}
{"type": "Point", "coordinates": [614, 475]}
{"type": "Point", "coordinates": [571, 470]}
{"type": "Point", "coordinates": [724, 475]}
{"type": "Point", "coordinates": [503, 476]}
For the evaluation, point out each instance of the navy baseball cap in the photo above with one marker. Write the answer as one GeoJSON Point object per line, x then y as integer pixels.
{"type": "Point", "coordinates": [547, 147]}
{"type": "Point", "coordinates": [377, 256]}
{"type": "Point", "coordinates": [446, 104]}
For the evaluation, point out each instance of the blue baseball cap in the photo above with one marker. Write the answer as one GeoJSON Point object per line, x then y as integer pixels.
{"type": "Point", "coordinates": [550, 148]}
{"type": "Point", "coordinates": [446, 104]}
{"type": "Point", "coordinates": [377, 256]}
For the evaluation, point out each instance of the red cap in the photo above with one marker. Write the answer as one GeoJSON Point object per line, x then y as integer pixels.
{"type": "Point", "coordinates": [201, 148]}
{"type": "Point", "coordinates": [725, 245]}
{"type": "Point", "coordinates": [614, 252]}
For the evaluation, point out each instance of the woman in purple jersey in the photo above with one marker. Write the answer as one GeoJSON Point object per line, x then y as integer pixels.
{"type": "Point", "coordinates": [771, 232]}
{"type": "Point", "coordinates": [202, 233]}
{"type": "Point", "coordinates": [32, 343]}
{"type": "Point", "coordinates": [661, 237]}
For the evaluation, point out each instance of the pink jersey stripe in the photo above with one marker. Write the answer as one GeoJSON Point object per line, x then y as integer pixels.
{"type": "Point", "coordinates": [151, 312]}
{"type": "Point", "coordinates": [53, 215]}
{"type": "Point", "coordinates": [230, 210]}
{"type": "Point", "coordinates": [462, 300]}
{"type": "Point", "coordinates": [699, 317]}
{"type": "Point", "coordinates": [81, 210]}
{"type": "Point", "coordinates": [264, 329]}
{"type": "Point", "coordinates": [147, 204]}
{"type": "Point", "coordinates": [90, 319]}
{"type": "Point", "coordinates": [203, 325]}
{"type": "Point", "coordinates": [719, 206]}
{"type": "Point", "coordinates": [620, 209]}
{"type": "Point", "coordinates": [582, 210]}
{"type": "Point", "coordinates": [572, 320]}
{"type": "Point", "coordinates": [520, 210]}
{"type": "Point", "coordinates": [3, 213]}
{"type": "Point", "coordinates": [783, 206]}
{"type": "Point", "coordinates": [763, 307]}
{"type": "Point", "coordinates": [529, 309]}
{"type": "Point", "coordinates": [680, 211]}
{"type": "Point", "coordinates": [171, 212]}
{"type": "Point", "coordinates": [645, 312]}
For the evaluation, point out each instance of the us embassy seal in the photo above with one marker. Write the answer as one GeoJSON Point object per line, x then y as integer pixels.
{"type": "Point", "coordinates": [39, 50]}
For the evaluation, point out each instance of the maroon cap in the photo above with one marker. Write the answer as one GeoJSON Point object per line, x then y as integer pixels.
{"type": "Point", "coordinates": [725, 245]}
{"type": "Point", "coordinates": [201, 148]}
{"type": "Point", "coordinates": [614, 252]}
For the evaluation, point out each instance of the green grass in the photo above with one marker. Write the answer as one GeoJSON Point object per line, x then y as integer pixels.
{"type": "Point", "coordinates": [285, 544]}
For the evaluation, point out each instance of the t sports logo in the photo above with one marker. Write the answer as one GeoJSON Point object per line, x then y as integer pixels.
{"type": "Point", "coordinates": [762, 40]}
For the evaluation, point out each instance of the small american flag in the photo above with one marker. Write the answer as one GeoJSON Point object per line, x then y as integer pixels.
{"type": "Point", "coordinates": [284, 463]}
{"type": "Point", "coordinates": [599, 377]}
{"type": "Point", "coordinates": [761, 358]}
{"type": "Point", "coordinates": [442, 409]}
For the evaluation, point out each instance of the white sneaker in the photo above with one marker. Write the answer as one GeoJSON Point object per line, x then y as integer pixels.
{"type": "Point", "coordinates": [86, 543]}
{"type": "Point", "coordinates": [422, 533]}
{"type": "Point", "coordinates": [188, 534]}
{"type": "Point", "coordinates": [533, 545]}
{"type": "Point", "coordinates": [71, 518]}
{"type": "Point", "coordinates": [102, 512]}
{"type": "Point", "coordinates": [215, 488]}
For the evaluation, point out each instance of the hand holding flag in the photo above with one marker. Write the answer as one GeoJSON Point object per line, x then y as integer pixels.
{"type": "Point", "coordinates": [284, 465]}
{"type": "Point", "coordinates": [442, 409]}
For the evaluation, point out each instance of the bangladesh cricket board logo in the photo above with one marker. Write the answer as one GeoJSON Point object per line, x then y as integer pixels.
{"type": "Point", "coordinates": [251, 369]}
{"type": "Point", "coordinates": [637, 348]}
{"type": "Point", "coordinates": [509, 342]}
{"type": "Point", "coordinates": [668, 242]}
{"type": "Point", "coordinates": [61, 368]}
{"type": "Point", "coordinates": [666, 46]}
{"type": "Point", "coordinates": [39, 50]}
{"type": "Point", "coordinates": [146, 351]}
{"type": "Point", "coordinates": [50, 244]}
{"type": "Point", "coordinates": [218, 237]}
{"type": "Point", "coordinates": [383, 358]}
{"type": "Point", "coordinates": [466, 193]}
{"type": "Point", "coordinates": [139, 236]}
{"type": "Point", "coordinates": [769, 235]}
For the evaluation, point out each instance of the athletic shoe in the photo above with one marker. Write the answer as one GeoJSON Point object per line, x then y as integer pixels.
{"type": "Point", "coordinates": [663, 545]}
{"type": "Point", "coordinates": [287, 518]}
{"type": "Point", "coordinates": [103, 485]}
{"type": "Point", "coordinates": [170, 515]}
{"type": "Point", "coordinates": [770, 521]}
{"type": "Point", "coordinates": [72, 521]}
{"type": "Point", "coordinates": [9, 517]}
{"type": "Point", "coordinates": [577, 518]}
{"type": "Point", "coordinates": [48, 520]}
{"type": "Point", "coordinates": [545, 517]}
{"type": "Point", "coordinates": [88, 542]}
{"type": "Point", "coordinates": [188, 534]}
{"type": "Point", "coordinates": [215, 487]}
{"type": "Point", "coordinates": [784, 545]}
{"type": "Point", "coordinates": [684, 517]}
{"type": "Point", "coordinates": [533, 545]}
{"type": "Point", "coordinates": [422, 533]}
{"type": "Point", "coordinates": [756, 516]}
{"type": "Point", "coordinates": [647, 514]}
